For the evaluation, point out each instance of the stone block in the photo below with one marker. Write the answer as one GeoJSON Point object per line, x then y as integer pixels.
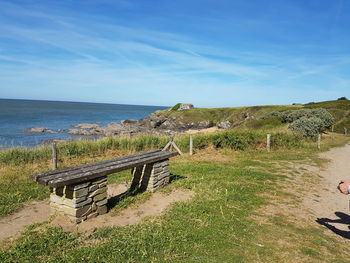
{"type": "Point", "coordinates": [100, 197]}
{"type": "Point", "coordinates": [77, 205]}
{"type": "Point", "coordinates": [56, 199]}
{"type": "Point", "coordinates": [71, 194]}
{"type": "Point", "coordinates": [101, 210]}
{"type": "Point", "coordinates": [103, 184]}
{"type": "Point", "coordinates": [157, 170]}
{"type": "Point", "coordinates": [93, 187]}
{"type": "Point", "coordinates": [78, 186]}
{"type": "Point", "coordinates": [76, 212]}
{"type": "Point", "coordinates": [102, 202]}
{"type": "Point", "coordinates": [99, 180]}
{"type": "Point", "coordinates": [98, 191]}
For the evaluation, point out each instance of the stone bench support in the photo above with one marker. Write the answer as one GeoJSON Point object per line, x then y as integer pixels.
{"type": "Point", "coordinates": [151, 176]}
{"type": "Point", "coordinates": [89, 199]}
{"type": "Point", "coordinates": [80, 201]}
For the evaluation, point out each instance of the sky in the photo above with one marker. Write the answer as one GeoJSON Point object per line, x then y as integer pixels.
{"type": "Point", "coordinates": [209, 53]}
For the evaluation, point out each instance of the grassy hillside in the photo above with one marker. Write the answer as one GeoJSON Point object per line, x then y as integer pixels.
{"type": "Point", "coordinates": [217, 115]}
{"type": "Point", "coordinates": [249, 117]}
{"type": "Point", "coordinates": [340, 109]}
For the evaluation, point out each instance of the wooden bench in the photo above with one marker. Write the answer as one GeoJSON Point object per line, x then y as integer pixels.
{"type": "Point", "coordinates": [80, 192]}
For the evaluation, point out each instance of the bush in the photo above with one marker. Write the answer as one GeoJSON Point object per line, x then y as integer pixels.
{"type": "Point", "coordinates": [325, 116]}
{"type": "Point", "coordinates": [308, 127]}
{"type": "Point", "coordinates": [176, 107]}
{"type": "Point", "coordinates": [308, 122]}
{"type": "Point", "coordinates": [236, 141]}
{"type": "Point", "coordinates": [342, 98]}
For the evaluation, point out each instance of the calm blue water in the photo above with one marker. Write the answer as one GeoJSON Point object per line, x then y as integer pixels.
{"type": "Point", "coordinates": [18, 115]}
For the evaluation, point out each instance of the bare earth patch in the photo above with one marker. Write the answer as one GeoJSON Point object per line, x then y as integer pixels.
{"type": "Point", "coordinates": [37, 212]}
{"type": "Point", "coordinates": [326, 200]}
{"type": "Point", "coordinates": [34, 212]}
{"type": "Point", "coordinates": [129, 216]}
{"type": "Point", "coordinates": [307, 195]}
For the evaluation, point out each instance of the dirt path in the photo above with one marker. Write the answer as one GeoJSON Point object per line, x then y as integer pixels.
{"type": "Point", "coordinates": [36, 212]}
{"type": "Point", "coordinates": [326, 202]}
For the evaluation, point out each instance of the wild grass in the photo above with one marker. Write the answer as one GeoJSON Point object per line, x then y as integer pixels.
{"type": "Point", "coordinates": [234, 139]}
{"type": "Point", "coordinates": [215, 226]}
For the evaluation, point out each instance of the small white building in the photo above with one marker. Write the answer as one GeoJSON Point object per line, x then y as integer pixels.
{"type": "Point", "coordinates": [184, 106]}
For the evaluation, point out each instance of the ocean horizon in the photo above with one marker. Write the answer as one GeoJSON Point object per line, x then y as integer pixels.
{"type": "Point", "coordinates": [17, 115]}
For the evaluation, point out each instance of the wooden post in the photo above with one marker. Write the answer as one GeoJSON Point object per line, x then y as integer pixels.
{"type": "Point", "coordinates": [54, 156]}
{"type": "Point", "coordinates": [171, 143]}
{"type": "Point", "coordinates": [345, 131]}
{"type": "Point", "coordinates": [191, 145]}
{"type": "Point", "coordinates": [268, 142]}
{"type": "Point", "coordinates": [319, 141]}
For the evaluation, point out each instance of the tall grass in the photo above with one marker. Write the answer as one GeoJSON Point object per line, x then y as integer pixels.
{"type": "Point", "coordinates": [233, 139]}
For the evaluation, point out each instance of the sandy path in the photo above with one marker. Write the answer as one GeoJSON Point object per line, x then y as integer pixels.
{"type": "Point", "coordinates": [326, 201]}
{"type": "Point", "coordinates": [36, 212]}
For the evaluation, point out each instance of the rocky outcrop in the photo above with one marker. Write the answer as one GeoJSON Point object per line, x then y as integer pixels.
{"type": "Point", "coordinates": [39, 130]}
{"type": "Point", "coordinates": [86, 126]}
{"type": "Point", "coordinates": [224, 125]}
{"type": "Point", "coordinates": [153, 123]}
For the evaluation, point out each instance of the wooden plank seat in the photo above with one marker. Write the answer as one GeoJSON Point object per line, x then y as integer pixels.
{"type": "Point", "coordinates": [81, 191]}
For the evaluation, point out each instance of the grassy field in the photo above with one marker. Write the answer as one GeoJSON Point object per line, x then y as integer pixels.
{"type": "Point", "coordinates": [226, 220]}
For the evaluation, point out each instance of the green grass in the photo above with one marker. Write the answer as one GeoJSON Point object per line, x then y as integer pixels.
{"type": "Point", "coordinates": [215, 226]}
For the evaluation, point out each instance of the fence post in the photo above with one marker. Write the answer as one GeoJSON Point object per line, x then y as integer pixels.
{"type": "Point", "coordinates": [54, 156]}
{"type": "Point", "coordinates": [268, 142]}
{"type": "Point", "coordinates": [171, 139]}
{"type": "Point", "coordinates": [191, 145]}
{"type": "Point", "coordinates": [319, 141]}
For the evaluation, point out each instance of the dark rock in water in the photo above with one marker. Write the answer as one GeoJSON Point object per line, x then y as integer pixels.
{"type": "Point", "coordinates": [224, 125]}
{"type": "Point", "coordinates": [39, 130]}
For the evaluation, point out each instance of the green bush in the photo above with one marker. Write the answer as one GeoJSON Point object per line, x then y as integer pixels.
{"type": "Point", "coordinates": [308, 127]}
{"type": "Point", "coordinates": [237, 140]}
{"type": "Point", "coordinates": [176, 107]}
{"type": "Point", "coordinates": [308, 122]}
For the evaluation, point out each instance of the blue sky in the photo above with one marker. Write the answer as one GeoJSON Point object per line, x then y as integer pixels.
{"type": "Point", "coordinates": [209, 53]}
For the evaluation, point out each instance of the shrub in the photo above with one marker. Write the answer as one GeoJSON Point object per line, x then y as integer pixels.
{"type": "Point", "coordinates": [342, 98]}
{"type": "Point", "coordinates": [325, 116]}
{"type": "Point", "coordinates": [176, 107]}
{"type": "Point", "coordinates": [308, 127]}
{"type": "Point", "coordinates": [237, 140]}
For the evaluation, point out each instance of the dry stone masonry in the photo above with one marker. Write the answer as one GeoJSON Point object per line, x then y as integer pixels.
{"type": "Point", "coordinates": [86, 200]}
{"type": "Point", "coordinates": [80, 201]}
{"type": "Point", "coordinates": [151, 176]}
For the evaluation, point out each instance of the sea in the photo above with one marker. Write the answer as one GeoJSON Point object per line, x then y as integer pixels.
{"type": "Point", "coordinates": [18, 115]}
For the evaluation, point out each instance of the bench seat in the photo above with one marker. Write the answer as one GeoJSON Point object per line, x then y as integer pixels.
{"type": "Point", "coordinates": [82, 173]}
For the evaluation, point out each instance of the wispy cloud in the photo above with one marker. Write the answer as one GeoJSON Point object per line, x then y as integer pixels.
{"type": "Point", "coordinates": [65, 54]}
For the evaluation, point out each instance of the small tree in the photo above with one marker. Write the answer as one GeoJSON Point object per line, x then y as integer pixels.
{"type": "Point", "coordinates": [308, 127]}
